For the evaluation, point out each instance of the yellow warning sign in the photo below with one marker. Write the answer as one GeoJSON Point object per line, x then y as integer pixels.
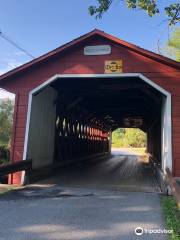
{"type": "Point", "coordinates": [113, 66]}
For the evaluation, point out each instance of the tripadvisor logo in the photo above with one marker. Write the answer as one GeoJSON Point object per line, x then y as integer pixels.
{"type": "Point", "coordinates": [139, 231]}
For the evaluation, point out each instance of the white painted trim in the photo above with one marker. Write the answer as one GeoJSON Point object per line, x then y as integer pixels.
{"type": "Point", "coordinates": [169, 132]}
{"type": "Point", "coordinates": [27, 126]}
{"type": "Point", "coordinates": [121, 75]}
{"type": "Point", "coordinates": [166, 135]}
{"type": "Point", "coordinates": [26, 134]}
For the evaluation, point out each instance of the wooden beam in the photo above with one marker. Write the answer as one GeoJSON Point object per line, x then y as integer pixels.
{"type": "Point", "coordinates": [15, 167]}
{"type": "Point", "coordinates": [74, 103]}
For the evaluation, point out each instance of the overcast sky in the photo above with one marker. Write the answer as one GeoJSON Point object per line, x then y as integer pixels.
{"type": "Point", "coordinates": [42, 25]}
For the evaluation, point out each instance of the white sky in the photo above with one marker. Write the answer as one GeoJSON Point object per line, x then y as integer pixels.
{"type": "Point", "coordinates": [9, 66]}
{"type": "Point", "coordinates": [5, 94]}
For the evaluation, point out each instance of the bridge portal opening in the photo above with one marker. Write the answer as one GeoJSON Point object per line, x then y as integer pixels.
{"type": "Point", "coordinates": [71, 119]}
{"type": "Point", "coordinates": [130, 142]}
{"type": "Point", "coordinates": [129, 138]}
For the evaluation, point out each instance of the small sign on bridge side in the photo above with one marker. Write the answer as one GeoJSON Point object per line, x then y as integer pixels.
{"type": "Point", "coordinates": [97, 50]}
{"type": "Point", "coordinates": [113, 66]}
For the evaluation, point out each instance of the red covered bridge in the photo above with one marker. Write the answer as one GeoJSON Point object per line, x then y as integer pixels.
{"type": "Point", "coordinates": [69, 101]}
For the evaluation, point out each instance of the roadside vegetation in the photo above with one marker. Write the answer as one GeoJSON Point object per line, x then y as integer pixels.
{"type": "Point", "coordinates": [6, 116]}
{"type": "Point", "coordinates": [152, 8]}
{"type": "Point", "coordinates": [172, 48]}
{"type": "Point", "coordinates": [171, 216]}
{"type": "Point", "coordinates": [129, 137]}
{"type": "Point", "coordinates": [171, 11]}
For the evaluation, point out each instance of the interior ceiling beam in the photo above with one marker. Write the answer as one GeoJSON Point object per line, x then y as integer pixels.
{"type": "Point", "coordinates": [152, 95]}
{"type": "Point", "coordinates": [107, 88]}
{"type": "Point", "coordinates": [90, 86]}
{"type": "Point", "coordinates": [107, 117]}
{"type": "Point", "coordinates": [122, 111]}
{"type": "Point", "coordinates": [107, 105]}
{"type": "Point", "coordinates": [74, 103]}
{"type": "Point", "coordinates": [118, 103]}
{"type": "Point", "coordinates": [99, 94]}
{"type": "Point", "coordinates": [120, 98]}
{"type": "Point", "coordinates": [119, 86]}
{"type": "Point", "coordinates": [119, 121]}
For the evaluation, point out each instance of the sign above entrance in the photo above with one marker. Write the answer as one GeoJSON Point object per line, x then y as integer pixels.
{"type": "Point", "coordinates": [133, 122]}
{"type": "Point", "coordinates": [113, 66]}
{"type": "Point", "coordinates": [97, 50]}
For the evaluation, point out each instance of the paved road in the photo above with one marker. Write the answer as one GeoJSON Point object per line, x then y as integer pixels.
{"type": "Point", "coordinates": [54, 210]}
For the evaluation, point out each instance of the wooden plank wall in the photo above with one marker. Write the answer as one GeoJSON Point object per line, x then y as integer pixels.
{"type": "Point", "coordinates": [42, 128]}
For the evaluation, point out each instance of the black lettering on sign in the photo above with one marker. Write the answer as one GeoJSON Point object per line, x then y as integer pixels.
{"type": "Point", "coordinates": [113, 66]}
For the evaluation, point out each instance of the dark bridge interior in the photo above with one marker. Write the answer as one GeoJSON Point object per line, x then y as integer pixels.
{"type": "Point", "coordinates": [87, 110]}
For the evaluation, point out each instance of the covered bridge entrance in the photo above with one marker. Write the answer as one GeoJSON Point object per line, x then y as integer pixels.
{"type": "Point", "coordinates": [70, 100]}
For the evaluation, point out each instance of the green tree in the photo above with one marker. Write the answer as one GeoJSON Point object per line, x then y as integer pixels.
{"type": "Point", "coordinates": [173, 46]}
{"type": "Point", "coordinates": [6, 116]}
{"type": "Point", "coordinates": [118, 137]}
{"type": "Point", "coordinates": [135, 138]}
{"type": "Point", "coordinates": [172, 11]}
{"type": "Point", "coordinates": [125, 137]}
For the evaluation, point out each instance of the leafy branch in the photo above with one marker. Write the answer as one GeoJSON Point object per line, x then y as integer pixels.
{"type": "Point", "coordinates": [172, 11]}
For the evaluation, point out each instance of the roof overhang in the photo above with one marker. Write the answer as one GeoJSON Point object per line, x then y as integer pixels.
{"type": "Point", "coordinates": [81, 39]}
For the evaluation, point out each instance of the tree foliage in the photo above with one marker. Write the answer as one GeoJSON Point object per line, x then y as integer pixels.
{"type": "Point", "coordinates": [6, 115]}
{"type": "Point", "coordinates": [172, 11]}
{"type": "Point", "coordinates": [126, 137]}
{"type": "Point", "coordinates": [173, 45]}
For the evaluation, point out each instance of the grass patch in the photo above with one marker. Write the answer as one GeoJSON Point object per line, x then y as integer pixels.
{"type": "Point", "coordinates": [172, 216]}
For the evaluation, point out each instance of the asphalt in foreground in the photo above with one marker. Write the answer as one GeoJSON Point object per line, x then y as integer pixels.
{"type": "Point", "coordinates": [88, 205]}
